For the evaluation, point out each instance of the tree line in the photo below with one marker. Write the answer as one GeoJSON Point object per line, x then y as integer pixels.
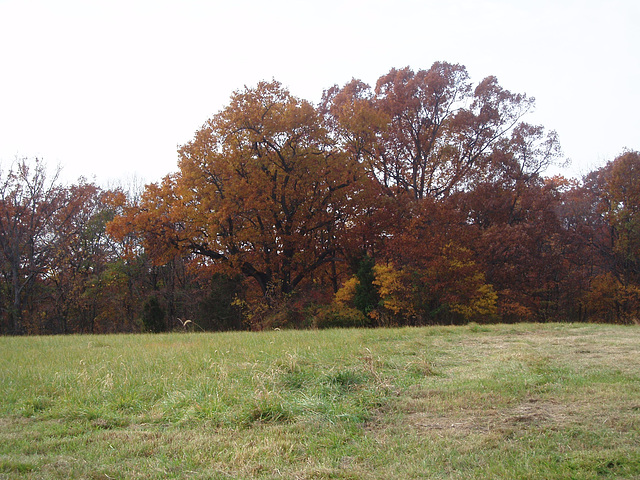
{"type": "Point", "coordinates": [419, 201]}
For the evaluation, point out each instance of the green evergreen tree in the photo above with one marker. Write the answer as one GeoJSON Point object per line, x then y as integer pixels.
{"type": "Point", "coordinates": [366, 296]}
{"type": "Point", "coordinates": [217, 310]}
{"type": "Point", "coordinates": [153, 316]}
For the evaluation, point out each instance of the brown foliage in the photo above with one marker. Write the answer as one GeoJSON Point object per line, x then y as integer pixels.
{"type": "Point", "coordinates": [423, 198]}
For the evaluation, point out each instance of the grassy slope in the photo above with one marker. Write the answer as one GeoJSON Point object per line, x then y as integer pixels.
{"type": "Point", "coordinates": [523, 401]}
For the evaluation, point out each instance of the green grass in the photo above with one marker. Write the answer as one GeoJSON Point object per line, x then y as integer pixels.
{"type": "Point", "coordinates": [519, 401]}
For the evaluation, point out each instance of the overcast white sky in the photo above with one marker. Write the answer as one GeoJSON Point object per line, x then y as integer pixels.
{"type": "Point", "coordinates": [109, 89]}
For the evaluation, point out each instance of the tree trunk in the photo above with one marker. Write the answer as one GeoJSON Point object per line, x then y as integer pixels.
{"type": "Point", "coordinates": [16, 309]}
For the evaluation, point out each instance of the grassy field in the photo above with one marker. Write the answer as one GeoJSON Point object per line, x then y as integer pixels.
{"type": "Point", "coordinates": [519, 401]}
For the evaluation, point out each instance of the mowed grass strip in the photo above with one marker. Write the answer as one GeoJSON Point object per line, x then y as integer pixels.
{"type": "Point", "coordinates": [504, 401]}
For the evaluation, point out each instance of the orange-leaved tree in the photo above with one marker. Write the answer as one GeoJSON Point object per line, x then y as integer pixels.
{"type": "Point", "coordinates": [613, 198]}
{"type": "Point", "coordinates": [261, 190]}
{"type": "Point", "coordinates": [623, 198]}
{"type": "Point", "coordinates": [422, 133]}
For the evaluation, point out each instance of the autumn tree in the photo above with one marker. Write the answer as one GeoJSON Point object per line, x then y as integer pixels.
{"type": "Point", "coordinates": [512, 214]}
{"type": "Point", "coordinates": [82, 259]}
{"type": "Point", "coordinates": [608, 227]}
{"type": "Point", "coordinates": [425, 138]}
{"type": "Point", "coordinates": [622, 197]}
{"type": "Point", "coordinates": [34, 209]}
{"type": "Point", "coordinates": [261, 191]}
{"type": "Point", "coordinates": [427, 130]}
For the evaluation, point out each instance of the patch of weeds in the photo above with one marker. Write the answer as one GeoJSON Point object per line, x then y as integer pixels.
{"type": "Point", "coordinates": [36, 405]}
{"type": "Point", "coordinates": [83, 413]}
{"type": "Point", "coordinates": [127, 403]}
{"type": "Point", "coordinates": [290, 364]}
{"type": "Point", "coordinates": [14, 466]}
{"type": "Point", "coordinates": [422, 369]}
{"type": "Point", "coordinates": [616, 464]}
{"type": "Point", "coordinates": [109, 423]}
{"type": "Point", "coordinates": [477, 328]}
{"type": "Point", "coordinates": [347, 380]}
{"type": "Point", "coordinates": [609, 467]}
{"type": "Point", "coordinates": [297, 380]}
{"type": "Point", "coordinates": [269, 412]}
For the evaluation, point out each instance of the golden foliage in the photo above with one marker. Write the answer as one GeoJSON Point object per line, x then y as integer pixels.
{"type": "Point", "coordinates": [394, 289]}
{"type": "Point", "coordinates": [610, 300]}
{"type": "Point", "coordinates": [346, 293]}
